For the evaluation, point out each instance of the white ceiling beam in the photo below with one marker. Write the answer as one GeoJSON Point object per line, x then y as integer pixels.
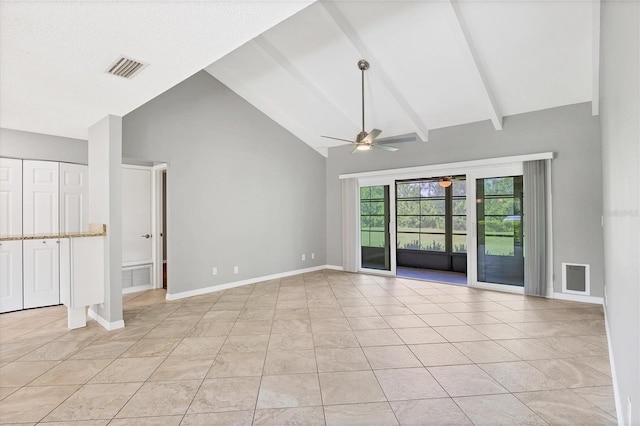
{"type": "Point", "coordinates": [351, 34]}
{"type": "Point", "coordinates": [279, 58]}
{"type": "Point", "coordinates": [463, 38]}
{"type": "Point", "coordinates": [595, 45]}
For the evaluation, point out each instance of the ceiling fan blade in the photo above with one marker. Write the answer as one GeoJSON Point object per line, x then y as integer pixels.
{"type": "Point", "coordinates": [408, 137]}
{"type": "Point", "coordinates": [384, 147]}
{"type": "Point", "coordinates": [356, 150]}
{"type": "Point", "coordinates": [338, 139]}
{"type": "Point", "coordinates": [371, 136]}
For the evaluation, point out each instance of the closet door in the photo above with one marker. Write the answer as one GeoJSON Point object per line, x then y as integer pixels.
{"type": "Point", "coordinates": [10, 276]}
{"type": "Point", "coordinates": [10, 196]}
{"type": "Point", "coordinates": [40, 197]}
{"type": "Point", "coordinates": [41, 278]}
{"type": "Point", "coordinates": [74, 197]}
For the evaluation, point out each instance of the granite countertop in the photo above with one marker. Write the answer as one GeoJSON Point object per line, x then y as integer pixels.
{"type": "Point", "coordinates": [95, 230]}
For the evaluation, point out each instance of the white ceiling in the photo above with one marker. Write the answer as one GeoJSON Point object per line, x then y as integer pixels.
{"type": "Point", "coordinates": [53, 54]}
{"type": "Point", "coordinates": [433, 64]}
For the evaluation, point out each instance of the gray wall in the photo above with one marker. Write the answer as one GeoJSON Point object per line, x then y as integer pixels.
{"type": "Point", "coordinates": [241, 190]}
{"type": "Point", "coordinates": [620, 118]}
{"type": "Point", "coordinates": [571, 132]}
{"type": "Point", "coordinates": [36, 146]}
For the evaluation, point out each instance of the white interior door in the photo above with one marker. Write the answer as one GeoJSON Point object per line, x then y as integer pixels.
{"type": "Point", "coordinates": [40, 197]}
{"type": "Point", "coordinates": [136, 216]}
{"type": "Point", "coordinates": [41, 273]}
{"type": "Point", "coordinates": [74, 197]}
{"type": "Point", "coordinates": [10, 276]}
{"type": "Point", "coordinates": [10, 196]}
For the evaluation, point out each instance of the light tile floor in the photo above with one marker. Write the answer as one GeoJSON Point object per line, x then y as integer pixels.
{"type": "Point", "coordinates": [322, 348]}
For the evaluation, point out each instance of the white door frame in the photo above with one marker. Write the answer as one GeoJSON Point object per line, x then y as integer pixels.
{"type": "Point", "coordinates": [156, 223]}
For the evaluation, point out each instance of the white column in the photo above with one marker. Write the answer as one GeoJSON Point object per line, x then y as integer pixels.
{"type": "Point", "coordinates": [105, 206]}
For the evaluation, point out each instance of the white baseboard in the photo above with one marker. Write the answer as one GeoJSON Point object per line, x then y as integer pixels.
{"type": "Point", "coordinates": [214, 288]}
{"type": "Point", "coordinates": [334, 267]}
{"type": "Point", "coordinates": [579, 298]}
{"type": "Point", "coordinates": [614, 376]}
{"type": "Point", "coordinates": [109, 326]}
{"type": "Point", "coordinates": [136, 289]}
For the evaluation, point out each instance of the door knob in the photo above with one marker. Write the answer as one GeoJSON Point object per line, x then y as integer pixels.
{"type": "Point", "coordinates": [147, 236]}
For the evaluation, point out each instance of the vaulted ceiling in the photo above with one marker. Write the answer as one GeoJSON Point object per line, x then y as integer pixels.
{"type": "Point", "coordinates": [433, 63]}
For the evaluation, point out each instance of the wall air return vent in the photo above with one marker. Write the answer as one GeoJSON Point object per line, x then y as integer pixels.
{"type": "Point", "coordinates": [575, 279]}
{"type": "Point", "coordinates": [126, 67]}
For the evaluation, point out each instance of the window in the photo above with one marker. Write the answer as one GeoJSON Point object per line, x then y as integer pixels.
{"type": "Point", "coordinates": [502, 211]}
{"type": "Point", "coordinates": [432, 218]}
{"type": "Point", "coordinates": [459, 216]}
{"type": "Point", "coordinates": [421, 216]}
{"type": "Point", "coordinates": [372, 216]}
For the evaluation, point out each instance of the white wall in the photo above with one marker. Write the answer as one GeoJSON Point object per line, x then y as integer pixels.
{"type": "Point", "coordinates": [105, 206]}
{"type": "Point", "coordinates": [571, 132]}
{"type": "Point", "coordinates": [620, 118]}
{"type": "Point", "coordinates": [241, 190]}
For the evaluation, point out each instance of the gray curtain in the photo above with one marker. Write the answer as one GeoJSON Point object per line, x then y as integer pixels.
{"type": "Point", "coordinates": [535, 228]}
{"type": "Point", "coordinates": [349, 249]}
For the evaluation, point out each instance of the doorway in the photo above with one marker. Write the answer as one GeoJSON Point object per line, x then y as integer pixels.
{"type": "Point", "coordinates": [137, 229]}
{"type": "Point", "coordinates": [163, 220]}
{"type": "Point", "coordinates": [431, 229]}
{"type": "Point", "coordinates": [469, 232]}
{"type": "Point", "coordinates": [375, 236]}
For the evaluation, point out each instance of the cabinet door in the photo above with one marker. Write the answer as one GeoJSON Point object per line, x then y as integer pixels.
{"type": "Point", "coordinates": [41, 283]}
{"type": "Point", "coordinates": [10, 276]}
{"type": "Point", "coordinates": [40, 197]}
{"type": "Point", "coordinates": [10, 196]}
{"type": "Point", "coordinates": [74, 197]}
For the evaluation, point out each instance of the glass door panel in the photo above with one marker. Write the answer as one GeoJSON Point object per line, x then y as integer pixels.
{"type": "Point", "coordinates": [374, 227]}
{"type": "Point", "coordinates": [500, 254]}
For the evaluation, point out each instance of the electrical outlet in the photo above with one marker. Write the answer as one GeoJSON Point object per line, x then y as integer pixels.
{"type": "Point", "coordinates": [304, 257]}
{"type": "Point", "coordinates": [214, 271]}
{"type": "Point", "coordinates": [235, 269]}
{"type": "Point", "coordinates": [313, 255]}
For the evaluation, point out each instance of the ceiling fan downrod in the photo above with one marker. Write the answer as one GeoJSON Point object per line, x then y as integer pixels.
{"type": "Point", "coordinates": [363, 65]}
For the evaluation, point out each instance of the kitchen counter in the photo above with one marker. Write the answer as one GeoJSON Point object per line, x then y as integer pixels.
{"type": "Point", "coordinates": [95, 230]}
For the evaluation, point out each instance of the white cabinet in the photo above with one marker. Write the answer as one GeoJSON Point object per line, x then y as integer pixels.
{"type": "Point", "coordinates": [37, 198]}
{"type": "Point", "coordinates": [10, 196]}
{"type": "Point", "coordinates": [40, 197]}
{"type": "Point", "coordinates": [74, 198]}
{"type": "Point", "coordinates": [10, 276]}
{"type": "Point", "coordinates": [81, 276]}
{"type": "Point", "coordinates": [41, 279]}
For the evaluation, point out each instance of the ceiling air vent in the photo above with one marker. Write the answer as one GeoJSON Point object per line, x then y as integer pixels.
{"type": "Point", "coordinates": [125, 67]}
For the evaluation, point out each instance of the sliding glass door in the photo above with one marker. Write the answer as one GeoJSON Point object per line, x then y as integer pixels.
{"type": "Point", "coordinates": [498, 247]}
{"type": "Point", "coordinates": [375, 240]}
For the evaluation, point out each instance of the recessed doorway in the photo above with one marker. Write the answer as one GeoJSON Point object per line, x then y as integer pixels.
{"type": "Point", "coordinates": [431, 229]}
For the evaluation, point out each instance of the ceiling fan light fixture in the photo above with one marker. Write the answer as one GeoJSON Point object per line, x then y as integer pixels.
{"type": "Point", "coordinates": [444, 182]}
{"type": "Point", "coordinates": [364, 147]}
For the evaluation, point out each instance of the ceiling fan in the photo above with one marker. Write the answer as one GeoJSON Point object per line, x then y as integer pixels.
{"type": "Point", "coordinates": [365, 141]}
